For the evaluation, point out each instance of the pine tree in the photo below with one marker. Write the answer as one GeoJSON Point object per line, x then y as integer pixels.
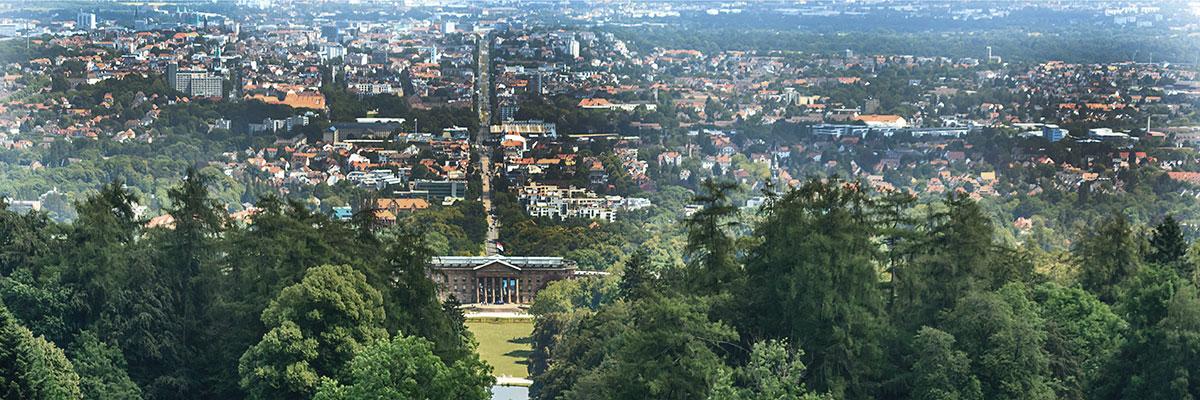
{"type": "Point", "coordinates": [813, 280]}
{"type": "Point", "coordinates": [1106, 257]}
{"type": "Point", "coordinates": [952, 259]}
{"type": "Point", "coordinates": [711, 246]}
{"type": "Point", "coordinates": [31, 367]}
{"type": "Point", "coordinates": [1167, 245]}
{"type": "Point", "coordinates": [637, 277]}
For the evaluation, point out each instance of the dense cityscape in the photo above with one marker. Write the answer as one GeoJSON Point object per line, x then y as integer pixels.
{"type": "Point", "coordinates": [616, 200]}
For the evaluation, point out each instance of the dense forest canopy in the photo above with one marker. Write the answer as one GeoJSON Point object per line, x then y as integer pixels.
{"type": "Point", "coordinates": [832, 291]}
{"type": "Point", "coordinates": [292, 304]}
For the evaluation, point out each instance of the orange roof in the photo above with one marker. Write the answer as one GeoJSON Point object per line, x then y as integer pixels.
{"type": "Point", "coordinates": [385, 215]}
{"type": "Point", "coordinates": [1189, 177]}
{"type": "Point", "coordinates": [585, 103]}
{"type": "Point", "coordinates": [878, 118]}
{"type": "Point", "coordinates": [402, 204]}
{"type": "Point", "coordinates": [306, 99]}
{"type": "Point", "coordinates": [162, 221]}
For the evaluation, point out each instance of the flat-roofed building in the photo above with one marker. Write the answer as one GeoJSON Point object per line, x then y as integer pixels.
{"type": "Point", "coordinates": [197, 83]}
{"type": "Point", "coordinates": [524, 128]}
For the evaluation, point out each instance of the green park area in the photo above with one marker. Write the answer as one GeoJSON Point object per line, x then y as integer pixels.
{"type": "Point", "coordinates": [504, 344]}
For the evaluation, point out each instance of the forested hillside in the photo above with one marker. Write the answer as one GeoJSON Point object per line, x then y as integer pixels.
{"type": "Point", "coordinates": [831, 291]}
{"type": "Point", "coordinates": [289, 305]}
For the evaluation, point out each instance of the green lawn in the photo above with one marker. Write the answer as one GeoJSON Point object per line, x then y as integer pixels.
{"type": "Point", "coordinates": [504, 345]}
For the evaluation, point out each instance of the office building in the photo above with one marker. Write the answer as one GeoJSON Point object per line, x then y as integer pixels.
{"type": "Point", "coordinates": [1053, 133]}
{"type": "Point", "coordinates": [194, 83]}
{"type": "Point", "coordinates": [85, 21]}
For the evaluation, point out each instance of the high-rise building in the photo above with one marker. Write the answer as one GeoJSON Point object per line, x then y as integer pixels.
{"type": "Point", "coordinates": [448, 27]}
{"type": "Point", "coordinates": [173, 76]}
{"type": "Point", "coordinates": [85, 21]}
{"type": "Point", "coordinates": [194, 83]}
{"type": "Point", "coordinates": [991, 58]}
{"type": "Point", "coordinates": [573, 48]}
{"type": "Point", "coordinates": [539, 83]}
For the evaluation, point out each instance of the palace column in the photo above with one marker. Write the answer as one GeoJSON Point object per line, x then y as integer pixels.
{"type": "Point", "coordinates": [478, 290]}
{"type": "Point", "coordinates": [518, 283]}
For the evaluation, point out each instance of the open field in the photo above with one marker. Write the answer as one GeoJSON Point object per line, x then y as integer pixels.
{"type": "Point", "coordinates": [504, 344]}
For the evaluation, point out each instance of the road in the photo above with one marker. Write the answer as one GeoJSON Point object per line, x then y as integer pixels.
{"type": "Point", "coordinates": [483, 108]}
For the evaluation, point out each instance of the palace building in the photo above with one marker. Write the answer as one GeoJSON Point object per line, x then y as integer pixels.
{"type": "Point", "coordinates": [497, 279]}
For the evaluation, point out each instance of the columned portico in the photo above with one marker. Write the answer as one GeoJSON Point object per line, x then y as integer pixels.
{"type": "Point", "coordinates": [499, 289]}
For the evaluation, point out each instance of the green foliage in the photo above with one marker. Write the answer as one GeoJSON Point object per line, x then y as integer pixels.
{"type": "Point", "coordinates": [1004, 336]}
{"type": "Point", "coordinates": [281, 365]}
{"type": "Point", "coordinates": [956, 256]}
{"type": "Point", "coordinates": [1082, 333]}
{"type": "Point", "coordinates": [317, 326]}
{"type": "Point", "coordinates": [1169, 248]}
{"type": "Point", "coordinates": [101, 368]}
{"type": "Point", "coordinates": [23, 239]}
{"type": "Point", "coordinates": [346, 106]}
{"type": "Point", "coordinates": [638, 278]}
{"type": "Point", "coordinates": [941, 372]}
{"type": "Point", "coordinates": [666, 352]}
{"type": "Point", "coordinates": [406, 368]}
{"type": "Point", "coordinates": [462, 226]}
{"type": "Point", "coordinates": [581, 344]}
{"type": "Point", "coordinates": [31, 367]}
{"type": "Point", "coordinates": [710, 245]}
{"type": "Point", "coordinates": [775, 371]}
{"type": "Point", "coordinates": [813, 280]}
{"type": "Point", "coordinates": [182, 304]}
{"type": "Point", "coordinates": [1159, 361]}
{"type": "Point", "coordinates": [1106, 257]}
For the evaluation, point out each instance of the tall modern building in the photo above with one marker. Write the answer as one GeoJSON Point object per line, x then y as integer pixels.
{"type": "Point", "coordinates": [194, 83]}
{"type": "Point", "coordinates": [573, 48]}
{"type": "Point", "coordinates": [85, 21]}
